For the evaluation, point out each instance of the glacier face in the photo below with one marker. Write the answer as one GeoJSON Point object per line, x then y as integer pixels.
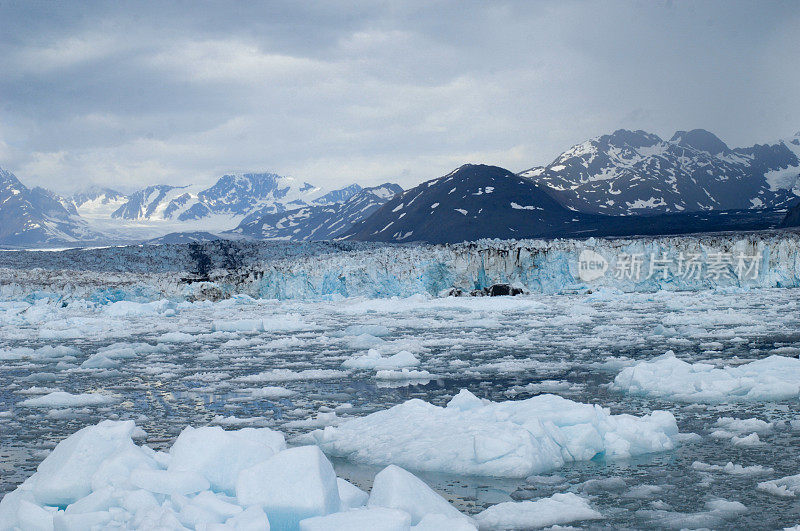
{"type": "Point", "coordinates": [286, 270]}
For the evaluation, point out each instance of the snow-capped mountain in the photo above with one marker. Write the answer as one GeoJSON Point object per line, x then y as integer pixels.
{"type": "Point", "coordinates": [36, 216]}
{"type": "Point", "coordinates": [341, 195]}
{"type": "Point", "coordinates": [160, 201]}
{"type": "Point", "coordinates": [230, 199]}
{"type": "Point", "coordinates": [634, 172]}
{"type": "Point", "coordinates": [792, 218]}
{"type": "Point", "coordinates": [238, 195]}
{"type": "Point", "coordinates": [319, 221]}
{"type": "Point", "coordinates": [98, 202]}
{"type": "Point", "coordinates": [232, 195]}
{"type": "Point", "coordinates": [472, 202]}
{"type": "Point", "coordinates": [477, 201]}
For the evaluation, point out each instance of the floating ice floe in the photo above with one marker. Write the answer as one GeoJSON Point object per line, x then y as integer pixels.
{"type": "Point", "coordinates": [287, 375]}
{"type": "Point", "coordinates": [772, 378]}
{"type": "Point", "coordinates": [373, 360]}
{"type": "Point", "coordinates": [716, 513]}
{"type": "Point", "coordinates": [471, 436]}
{"type": "Point", "coordinates": [64, 399]}
{"type": "Point", "coordinates": [558, 509]}
{"type": "Point", "coordinates": [98, 478]}
{"type": "Point", "coordinates": [403, 375]}
{"type": "Point", "coordinates": [786, 487]}
{"type": "Point", "coordinates": [733, 469]}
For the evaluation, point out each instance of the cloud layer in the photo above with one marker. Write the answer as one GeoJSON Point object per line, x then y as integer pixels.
{"type": "Point", "coordinates": [128, 94]}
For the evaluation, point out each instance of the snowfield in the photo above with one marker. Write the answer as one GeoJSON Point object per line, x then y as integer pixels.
{"type": "Point", "coordinates": [371, 400]}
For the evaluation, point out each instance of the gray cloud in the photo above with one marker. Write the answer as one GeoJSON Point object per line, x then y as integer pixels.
{"type": "Point", "coordinates": [137, 93]}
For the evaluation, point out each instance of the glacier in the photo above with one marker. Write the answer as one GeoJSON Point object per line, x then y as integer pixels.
{"type": "Point", "coordinates": [330, 270]}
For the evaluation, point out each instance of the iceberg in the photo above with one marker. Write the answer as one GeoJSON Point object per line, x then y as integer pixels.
{"type": "Point", "coordinates": [471, 436]}
{"type": "Point", "coordinates": [238, 480]}
{"type": "Point", "coordinates": [64, 399]}
{"type": "Point", "coordinates": [768, 379]}
{"type": "Point", "coordinates": [373, 360]}
{"type": "Point", "coordinates": [786, 487]}
{"type": "Point", "coordinates": [556, 510]}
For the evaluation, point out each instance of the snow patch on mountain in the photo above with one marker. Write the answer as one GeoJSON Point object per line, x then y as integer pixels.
{"type": "Point", "coordinates": [635, 172]}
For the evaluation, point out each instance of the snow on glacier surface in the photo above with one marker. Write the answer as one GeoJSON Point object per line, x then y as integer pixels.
{"type": "Point", "coordinates": [244, 362]}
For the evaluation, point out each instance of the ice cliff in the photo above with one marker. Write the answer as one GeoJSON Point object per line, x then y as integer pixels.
{"type": "Point", "coordinates": [320, 270]}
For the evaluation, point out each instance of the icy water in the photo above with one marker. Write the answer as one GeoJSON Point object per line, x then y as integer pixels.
{"type": "Point", "coordinates": [170, 367]}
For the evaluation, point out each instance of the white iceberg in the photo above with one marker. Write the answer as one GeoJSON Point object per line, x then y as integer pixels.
{"type": "Point", "coordinates": [786, 487]}
{"type": "Point", "coordinates": [243, 480]}
{"type": "Point", "coordinates": [558, 509]}
{"type": "Point", "coordinates": [472, 436]}
{"type": "Point", "coordinates": [64, 399]}
{"type": "Point", "coordinates": [768, 379]}
{"type": "Point", "coordinates": [373, 360]}
{"type": "Point", "coordinates": [396, 488]}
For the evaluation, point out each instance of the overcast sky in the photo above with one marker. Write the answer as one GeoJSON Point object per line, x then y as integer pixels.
{"type": "Point", "coordinates": [127, 94]}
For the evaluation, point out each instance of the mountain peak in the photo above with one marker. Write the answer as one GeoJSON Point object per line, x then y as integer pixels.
{"type": "Point", "coordinates": [700, 139]}
{"type": "Point", "coordinates": [634, 139]}
{"type": "Point", "coordinates": [9, 178]}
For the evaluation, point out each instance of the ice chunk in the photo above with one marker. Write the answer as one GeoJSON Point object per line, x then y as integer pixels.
{"type": "Point", "coordinates": [371, 329]}
{"type": "Point", "coordinates": [81, 522]}
{"type": "Point", "coordinates": [558, 509]}
{"type": "Point", "coordinates": [403, 374]}
{"type": "Point", "coordinates": [748, 440]}
{"type": "Point", "coordinates": [374, 360]}
{"type": "Point", "coordinates": [242, 325]}
{"type": "Point", "coordinates": [34, 518]}
{"type": "Point", "coordinates": [399, 489]}
{"type": "Point", "coordinates": [372, 518]}
{"type": "Point", "coordinates": [251, 519]}
{"type": "Point", "coordinates": [64, 399]}
{"type": "Point", "coordinates": [131, 308]}
{"type": "Point", "coordinates": [772, 378]}
{"type": "Point", "coordinates": [745, 425]}
{"type": "Point", "coordinates": [438, 522]}
{"type": "Point", "coordinates": [287, 375]}
{"type": "Point", "coordinates": [290, 486]}
{"type": "Point", "coordinates": [115, 471]}
{"type": "Point", "coordinates": [169, 482]}
{"type": "Point", "coordinates": [786, 487]}
{"type": "Point", "coordinates": [731, 468]}
{"type": "Point", "coordinates": [220, 455]}
{"type": "Point", "coordinates": [350, 495]}
{"type": "Point", "coordinates": [175, 337]}
{"type": "Point", "coordinates": [716, 513]}
{"type": "Point", "coordinates": [506, 439]}
{"type": "Point", "coordinates": [65, 475]}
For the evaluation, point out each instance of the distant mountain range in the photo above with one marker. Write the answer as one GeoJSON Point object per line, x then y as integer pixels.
{"type": "Point", "coordinates": [319, 221]}
{"type": "Point", "coordinates": [36, 215]}
{"type": "Point", "coordinates": [600, 187]}
{"type": "Point", "coordinates": [478, 201]}
{"type": "Point", "coordinates": [637, 173]}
